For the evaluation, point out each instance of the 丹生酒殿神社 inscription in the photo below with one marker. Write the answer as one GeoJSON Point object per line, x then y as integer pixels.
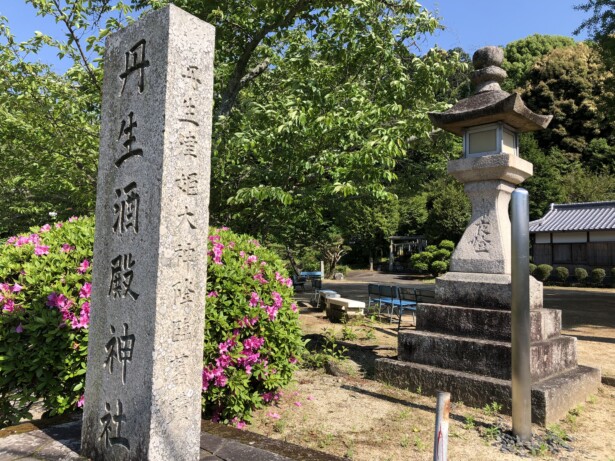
{"type": "Point", "coordinates": [142, 397]}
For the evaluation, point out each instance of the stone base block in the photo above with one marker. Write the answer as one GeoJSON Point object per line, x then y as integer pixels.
{"type": "Point", "coordinates": [475, 322]}
{"type": "Point", "coordinates": [552, 398]}
{"type": "Point", "coordinates": [485, 357]}
{"type": "Point", "coordinates": [491, 291]}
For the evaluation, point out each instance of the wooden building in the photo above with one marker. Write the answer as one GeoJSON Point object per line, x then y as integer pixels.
{"type": "Point", "coordinates": [575, 235]}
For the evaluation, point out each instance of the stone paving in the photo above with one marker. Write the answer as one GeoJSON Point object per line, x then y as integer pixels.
{"type": "Point", "coordinates": [61, 442]}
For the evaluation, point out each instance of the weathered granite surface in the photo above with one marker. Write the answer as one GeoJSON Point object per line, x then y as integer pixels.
{"type": "Point", "coordinates": [552, 398]}
{"type": "Point", "coordinates": [493, 291]}
{"type": "Point", "coordinates": [492, 324]}
{"type": "Point", "coordinates": [143, 385]}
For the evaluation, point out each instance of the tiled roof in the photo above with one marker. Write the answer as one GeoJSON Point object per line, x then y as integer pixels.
{"type": "Point", "coordinates": [576, 217]}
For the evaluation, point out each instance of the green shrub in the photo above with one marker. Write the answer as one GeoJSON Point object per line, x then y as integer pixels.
{"type": "Point", "coordinates": [543, 272]}
{"type": "Point", "coordinates": [438, 268]}
{"type": "Point", "coordinates": [447, 245]}
{"type": "Point", "coordinates": [562, 273]}
{"type": "Point", "coordinates": [441, 255]}
{"type": "Point", "coordinates": [598, 276]}
{"type": "Point", "coordinates": [342, 269]}
{"type": "Point", "coordinates": [251, 346]}
{"type": "Point", "coordinates": [580, 274]}
{"type": "Point", "coordinates": [421, 261]}
{"type": "Point", "coordinates": [254, 340]}
{"type": "Point", "coordinates": [44, 301]}
{"type": "Point", "coordinates": [425, 261]}
{"type": "Point", "coordinates": [532, 268]}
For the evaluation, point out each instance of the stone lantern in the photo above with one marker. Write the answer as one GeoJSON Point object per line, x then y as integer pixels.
{"type": "Point", "coordinates": [490, 122]}
{"type": "Point", "coordinates": [462, 342]}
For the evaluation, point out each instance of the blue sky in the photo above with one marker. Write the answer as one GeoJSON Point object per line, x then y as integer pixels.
{"type": "Point", "coordinates": [470, 24]}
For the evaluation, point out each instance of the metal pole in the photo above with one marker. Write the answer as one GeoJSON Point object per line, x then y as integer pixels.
{"type": "Point", "coordinates": [520, 273]}
{"type": "Point", "coordinates": [440, 442]}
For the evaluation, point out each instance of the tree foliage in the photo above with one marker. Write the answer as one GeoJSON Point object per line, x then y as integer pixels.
{"type": "Point", "coordinates": [521, 55]}
{"type": "Point", "coordinates": [569, 84]}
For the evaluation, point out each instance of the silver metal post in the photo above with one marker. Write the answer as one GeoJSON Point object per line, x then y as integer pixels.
{"type": "Point", "coordinates": [520, 272]}
{"type": "Point", "coordinates": [440, 442]}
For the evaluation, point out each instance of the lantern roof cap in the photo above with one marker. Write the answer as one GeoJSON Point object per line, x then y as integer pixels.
{"type": "Point", "coordinates": [489, 103]}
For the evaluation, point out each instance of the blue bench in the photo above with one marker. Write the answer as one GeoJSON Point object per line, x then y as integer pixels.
{"type": "Point", "coordinates": [391, 298]}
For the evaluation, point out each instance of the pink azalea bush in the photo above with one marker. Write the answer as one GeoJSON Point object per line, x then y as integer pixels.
{"type": "Point", "coordinates": [44, 315]}
{"type": "Point", "coordinates": [252, 337]}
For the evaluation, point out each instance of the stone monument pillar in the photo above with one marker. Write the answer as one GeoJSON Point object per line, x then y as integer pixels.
{"type": "Point", "coordinates": [145, 357]}
{"type": "Point", "coordinates": [462, 344]}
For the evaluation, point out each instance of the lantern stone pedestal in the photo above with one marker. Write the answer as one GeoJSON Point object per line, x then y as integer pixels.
{"type": "Point", "coordinates": [462, 344]}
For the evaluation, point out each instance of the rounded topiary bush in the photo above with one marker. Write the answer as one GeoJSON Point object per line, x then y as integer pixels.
{"type": "Point", "coordinates": [542, 272]}
{"type": "Point", "coordinates": [532, 268]}
{"type": "Point", "coordinates": [438, 267]}
{"type": "Point", "coordinates": [421, 261]}
{"type": "Point", "coordinates": [598, 276]}
{"type": "Point", "coordinates": [447, 245]}
{"type": "Point", "coordinates": [580, 274]}
{"type": "Point", "coordinates": [252, 336]}
{"type": "Point", "coordinates": [562, 273]}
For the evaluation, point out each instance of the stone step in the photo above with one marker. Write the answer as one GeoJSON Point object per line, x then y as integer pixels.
{"type": "Point", "coordinates": [483, 323]}
{"type": "Point", "coordinates": [485, 357]}
{"type": "Point", "coordinates": [551, 397]}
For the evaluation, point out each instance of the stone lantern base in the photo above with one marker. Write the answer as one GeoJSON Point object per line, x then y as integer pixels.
{"type": "Point", "coordinates": [467, 351]}
{"type": "Point", "coordinates": [476, 289]}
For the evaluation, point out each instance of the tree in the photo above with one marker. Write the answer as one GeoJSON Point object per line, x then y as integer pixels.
{"type": "Point", "coordinates": [49, 123]}
{"type": "Point", "coordinates": [545, 186]}
{"type": "Point", "coordinates": [569, 83]}
{"type": "Point", "coordinates": [521, 55]}
{"type": "Point", "coordinates": [449, 211]}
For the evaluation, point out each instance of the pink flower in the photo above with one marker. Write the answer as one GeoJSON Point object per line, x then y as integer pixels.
{"type": "Point", "coordinates": [17, 288]}
{"type": "Point", "coordinates": [298, 404]}
{"type": "Point", "coordinates": [254, 299]}
{"type": "Point", "coordinates": [251, 259]}
{"type": "Point", "coordinates": [73, 219]}
{"type": "Point", "coordinates": [19, 328]}
{"type": "Point", "coordinates": [5, 287]}
{"type": "Point", "coordinates": [9, 306]}
{"type": "Point", "coordinates": [86, 290]}
{"type": "Point", "coordinates": [59, 225]}
{"type": "Point", "coordinates": [259, 277]}
{"type": "Point", "coordinates": [11, 240]}
{"type": "Point", "coordinates": [212, 294]}
{"type": "Point", "coordinates": [242, 254]}
{"type": "Point", "coordinates": [40, 250]}
{"type": "Point", "coordinates": [45, 228]}
{"type": "Point", "coordinates": [310, 397]}
{"type": "Point", "coordinates": [221, 381]}
{"type": "Point", "coordinates": [292, 360]}
{"type": "Point", "coordinates": [81, 401]}
{"type": "Point", "coordinates": [224, 228]}
{"type": "Point", "coordinates": [83, 268]}
{"type": "Point", "coordinates": [277, 299]}
{"type": "Point", "coordinates": [239, 424]}
{"type": "Point", "coordinates": [273, 415]}
{"type": "Point", "coordinates": [272, 312]}
{"type": "Point", "coordinates": [66, 248]}
{"type": "Point", "coordinates": [293, 306]}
